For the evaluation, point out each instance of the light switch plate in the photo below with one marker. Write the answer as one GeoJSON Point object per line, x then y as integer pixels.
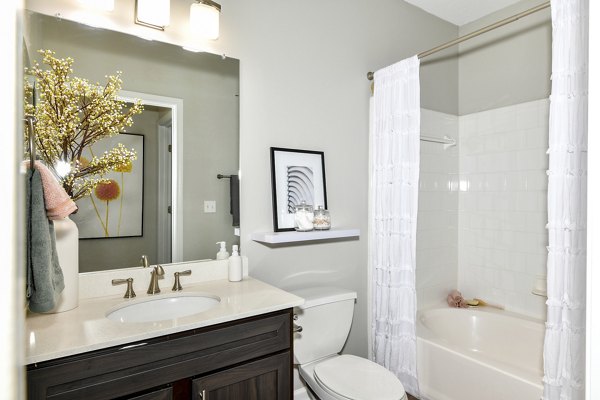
{"type": "Point", "coordinates": [210, 206]}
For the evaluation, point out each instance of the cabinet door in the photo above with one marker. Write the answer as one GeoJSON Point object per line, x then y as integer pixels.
{"type": "Point", "coordinates": [266, 379]}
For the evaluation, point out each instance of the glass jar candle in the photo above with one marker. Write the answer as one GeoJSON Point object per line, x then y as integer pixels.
{"type": "Point", "coordinates": [322, 219]}
{"type": "Point", "coordinates": [303, 217]}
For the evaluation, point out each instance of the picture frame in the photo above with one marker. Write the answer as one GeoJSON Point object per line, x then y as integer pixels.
{"type": "Point", "coordinates": [296, 175]}
{"type": "Point", "coordinates": [117, 213]}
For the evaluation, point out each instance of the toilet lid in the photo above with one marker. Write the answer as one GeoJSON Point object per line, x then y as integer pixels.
{"type": "Point", "coordinates": [357, 378]}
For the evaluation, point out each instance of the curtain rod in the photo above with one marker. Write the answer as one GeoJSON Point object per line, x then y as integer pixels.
{"type": "Point", "coordinates": [478, 32]}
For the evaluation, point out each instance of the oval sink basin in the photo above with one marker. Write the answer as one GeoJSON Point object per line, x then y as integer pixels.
{"type": "Point", "coordinates": [163, 308]}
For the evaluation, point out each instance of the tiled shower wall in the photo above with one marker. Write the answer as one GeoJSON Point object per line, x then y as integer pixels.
{"type": "Point", "coordinates": [437, 228]}
{"type": "Point", "coordinates": [482, 207]}
{"type": "Point", "coordinates": [503, 205]}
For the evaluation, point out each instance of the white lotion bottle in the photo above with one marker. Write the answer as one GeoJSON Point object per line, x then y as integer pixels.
{"type": "Point", "coordinates": [235, 265]}
{"type": "Point", "coordinates": [222, 254]}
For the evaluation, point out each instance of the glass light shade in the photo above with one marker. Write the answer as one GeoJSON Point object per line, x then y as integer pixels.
{"type": "Point", "coordinates": [204, 20]}
{"type": "Point", "coordinates": [154, 12]}
{"type": "Point", "coordinates": [104, 5]}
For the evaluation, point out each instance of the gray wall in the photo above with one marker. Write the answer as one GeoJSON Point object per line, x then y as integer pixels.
{"type": "Point", "coordinates": [510, 65]}
{"type": "Point", "coordinates": [209, 87]}
{"type": "Point", "coordinates": [303, 85]}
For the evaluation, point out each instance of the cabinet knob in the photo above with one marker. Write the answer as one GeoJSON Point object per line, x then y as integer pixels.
{"type": "Point", "coordinates": [297, 329]}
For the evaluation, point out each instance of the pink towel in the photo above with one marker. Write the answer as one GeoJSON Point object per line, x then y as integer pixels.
{"type": "Point", "coordinates": [455, 299]}
{"type": "Point", "coordinates": [58, 203]}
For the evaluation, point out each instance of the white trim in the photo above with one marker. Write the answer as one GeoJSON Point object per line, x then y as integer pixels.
{"type": "Point", "coordinates": [369, 240]}
{"type": "Point", "coordinates": [12, 305]}
{"type": "Point", "coordinates": [176, 106]}
{"type": "Point", "coordinates": [165, 189]}
{"type": "Point", "coordinates": [593, 223]}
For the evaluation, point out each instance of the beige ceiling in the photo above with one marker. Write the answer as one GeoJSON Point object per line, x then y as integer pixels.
{"type": "Point", "coordinates": [460, 12]}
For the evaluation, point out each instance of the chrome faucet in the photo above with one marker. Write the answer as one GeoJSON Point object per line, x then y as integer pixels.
{"type": "Point", "coordinates": [157, 271]}
{"type": "Point", "coordinates": [144, 261]}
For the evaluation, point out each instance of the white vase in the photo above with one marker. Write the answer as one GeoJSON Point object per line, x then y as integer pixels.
{"type": "Point", "coordinates": [67, 248]}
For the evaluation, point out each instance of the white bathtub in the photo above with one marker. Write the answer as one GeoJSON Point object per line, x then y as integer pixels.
{"type": "Point", "coordinates": [479, 354]}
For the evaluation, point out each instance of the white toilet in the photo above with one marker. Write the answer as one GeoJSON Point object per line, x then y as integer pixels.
{"type": "Point", "coordinates": [325, 318]}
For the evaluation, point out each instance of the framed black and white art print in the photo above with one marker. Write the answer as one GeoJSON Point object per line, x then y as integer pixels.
{"type": "Point", "coordinates": [296, 176]}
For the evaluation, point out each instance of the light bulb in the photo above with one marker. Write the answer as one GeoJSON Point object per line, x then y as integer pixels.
{"type": "Point", "coordinates": [155, 13]}
{"type": "Point", "coordinates": [62, 168]}
{"type": "Point", "coordinates": [204, 19]}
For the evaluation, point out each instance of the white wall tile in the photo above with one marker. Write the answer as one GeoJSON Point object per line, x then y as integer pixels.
{"type": "Point", "coordinates": [482, 207]}
{"type": "Point", "coordinates": [437, 229]}
{"type": "Point", "coordinates": [501, 222]}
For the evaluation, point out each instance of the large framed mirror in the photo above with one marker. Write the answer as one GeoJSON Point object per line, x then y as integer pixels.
{"type": "Point", "coordinates": [191, 107]}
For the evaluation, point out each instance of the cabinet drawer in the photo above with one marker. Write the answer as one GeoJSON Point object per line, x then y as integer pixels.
{"type": "Point", "coordinates": [118, 371]}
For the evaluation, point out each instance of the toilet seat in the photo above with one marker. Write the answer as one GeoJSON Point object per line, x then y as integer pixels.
{"type": "Point", "coordinates": [355, 378]}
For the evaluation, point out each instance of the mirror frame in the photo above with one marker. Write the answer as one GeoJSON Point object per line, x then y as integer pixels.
{"type": "Point", "coordinates": [176, 106]}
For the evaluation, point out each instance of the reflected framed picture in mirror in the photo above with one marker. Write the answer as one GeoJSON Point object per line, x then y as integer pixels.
{"type": "Point", "coordinates": [296, 176]}
{"type": "Point", "coordinates": [115, 207]}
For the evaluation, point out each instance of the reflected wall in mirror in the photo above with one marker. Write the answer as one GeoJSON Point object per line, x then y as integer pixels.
{"type": "Point", "coordinates": [206, 87]}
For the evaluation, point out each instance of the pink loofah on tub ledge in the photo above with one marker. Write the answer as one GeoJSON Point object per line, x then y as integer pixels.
{"type": "Point", "coordinates": [455, 299]}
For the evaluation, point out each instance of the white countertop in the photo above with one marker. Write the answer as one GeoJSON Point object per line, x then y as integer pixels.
{"type": "Point", "coordinates": [86, 328]}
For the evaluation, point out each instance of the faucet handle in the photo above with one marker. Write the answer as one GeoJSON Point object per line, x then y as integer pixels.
{"type": "Point", "coordinates": [177, 284]}
{"type": "Point", "coordinates": [129, 293]}
{"type": "Point", "coordinates": [144, 261]}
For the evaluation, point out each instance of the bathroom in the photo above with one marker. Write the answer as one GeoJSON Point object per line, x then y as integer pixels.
{"type": "Point", "coordinates": [303, 86]}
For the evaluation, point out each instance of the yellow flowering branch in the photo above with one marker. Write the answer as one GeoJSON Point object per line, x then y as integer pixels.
{"type": "Point", "coordinates": [73, 114]}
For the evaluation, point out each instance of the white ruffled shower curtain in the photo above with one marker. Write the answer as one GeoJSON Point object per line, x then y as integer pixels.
{"type": "Point", "coordinates": [395, 189]}
{"type": "Point", "coordinates": [564, 345]}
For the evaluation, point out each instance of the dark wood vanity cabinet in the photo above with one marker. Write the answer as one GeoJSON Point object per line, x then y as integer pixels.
{"type": "Point", "coordinates": [248, 359]}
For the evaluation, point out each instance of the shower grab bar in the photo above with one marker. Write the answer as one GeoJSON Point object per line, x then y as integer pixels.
{"type": "Point", "coordinates": [447, 141]}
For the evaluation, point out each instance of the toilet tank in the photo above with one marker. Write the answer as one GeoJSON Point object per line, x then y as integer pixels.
{"type": "Point", "coordinates": [325, 318]}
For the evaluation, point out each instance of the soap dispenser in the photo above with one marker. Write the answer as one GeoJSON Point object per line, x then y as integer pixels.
{"type": "Point", "coordinates": [222, 254]}
{"type": "Point", "coordinates": [235, 265]}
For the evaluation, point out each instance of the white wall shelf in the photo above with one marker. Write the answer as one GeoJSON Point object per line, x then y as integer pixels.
{"type": "Point", "coordinates": [293, 236]}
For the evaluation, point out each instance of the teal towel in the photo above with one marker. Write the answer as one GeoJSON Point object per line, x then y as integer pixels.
{"type": "Point", "coordinates": [45, 279]}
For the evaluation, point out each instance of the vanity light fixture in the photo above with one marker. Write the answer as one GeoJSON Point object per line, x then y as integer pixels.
{"type": "Point", "coordinates": [103, 5]}
{"type": "Point", "coordinates": [204, 19]}
{"type": "Point", "coordinates": [154, 14]}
